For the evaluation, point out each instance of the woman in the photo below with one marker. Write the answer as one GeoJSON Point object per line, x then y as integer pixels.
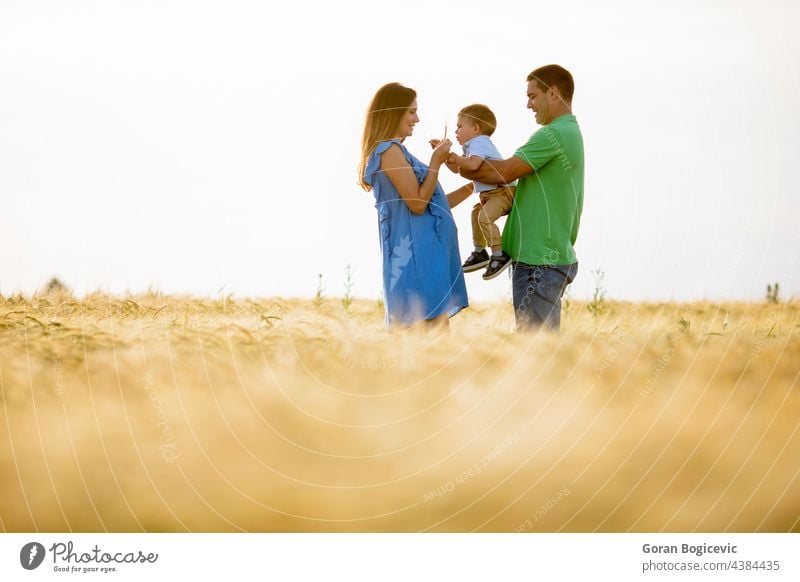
{"type": "Point", "coordinates": [422, 277]}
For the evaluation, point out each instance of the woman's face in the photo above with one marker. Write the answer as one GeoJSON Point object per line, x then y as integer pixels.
{"type": "Point", "coordinates": [409, 120]}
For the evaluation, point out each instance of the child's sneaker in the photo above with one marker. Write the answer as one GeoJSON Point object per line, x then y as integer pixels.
{"type": "Point", "coordinates": [477, 260]}
{"type": "Point", "coordinates": [497, 266]}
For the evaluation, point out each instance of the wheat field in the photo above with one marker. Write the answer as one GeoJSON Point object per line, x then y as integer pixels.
{"type": "Point", "coordinates": [162, 413]}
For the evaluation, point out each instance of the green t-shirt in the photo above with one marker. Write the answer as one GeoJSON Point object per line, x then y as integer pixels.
{"type": "Point", "coordinates": [543, 223]}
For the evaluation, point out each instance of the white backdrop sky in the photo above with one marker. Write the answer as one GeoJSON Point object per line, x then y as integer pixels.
{"type": "Point", "coordinates": [190, 146]}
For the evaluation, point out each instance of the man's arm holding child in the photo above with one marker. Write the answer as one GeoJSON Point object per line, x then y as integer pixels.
{"type": "Point", "coordinates": [498, 171]}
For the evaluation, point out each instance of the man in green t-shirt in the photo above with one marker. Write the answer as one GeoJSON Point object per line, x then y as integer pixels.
{"type": "Point", "coordinates": [540, 232]}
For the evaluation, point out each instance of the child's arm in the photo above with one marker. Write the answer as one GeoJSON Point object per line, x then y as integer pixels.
{"type": "Point", "coordinates": [451, 164]}
{"type": "Point", "coordinates": [456, 197]}
{"type": "Point", "coordinates": [456, 162]}
{"type": "Point", "coordinates": [469, 164]}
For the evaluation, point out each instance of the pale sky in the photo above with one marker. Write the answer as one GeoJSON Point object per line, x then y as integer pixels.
{"type": "Point", "coordinates": [196, 146]}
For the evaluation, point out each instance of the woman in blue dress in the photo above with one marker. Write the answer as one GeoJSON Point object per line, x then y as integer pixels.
{"type": "Point", "coordinates": [422, 276]}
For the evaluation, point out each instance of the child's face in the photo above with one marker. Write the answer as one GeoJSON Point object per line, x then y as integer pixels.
{"type": "Point", "coordinates": [466, 129]}
{"type": "Point", "coordinates": [409, 120]}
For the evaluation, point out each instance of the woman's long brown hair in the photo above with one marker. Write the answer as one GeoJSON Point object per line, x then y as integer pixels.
{"type": "Point", "coordinates": [385, 111]}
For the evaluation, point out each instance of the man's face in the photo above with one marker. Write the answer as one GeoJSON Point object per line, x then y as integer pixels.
{"type": "Point", "coordinates": [539, 102]}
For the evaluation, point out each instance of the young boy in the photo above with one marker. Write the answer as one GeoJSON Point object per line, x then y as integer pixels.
{"type": "Point", "coordinates": [476, 123]}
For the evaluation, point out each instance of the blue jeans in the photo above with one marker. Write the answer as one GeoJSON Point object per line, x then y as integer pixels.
{"type": "Point", "coordinates": [537, 291]}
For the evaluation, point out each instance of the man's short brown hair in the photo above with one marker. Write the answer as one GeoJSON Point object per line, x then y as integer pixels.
{"type": "Point", "coordinates": [481, 115]}
{"type": "Point", "coordinates": [554, 76]}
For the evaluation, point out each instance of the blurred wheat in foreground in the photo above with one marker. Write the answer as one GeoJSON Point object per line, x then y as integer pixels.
{"type": "Point", "coordinates": [154, 413]}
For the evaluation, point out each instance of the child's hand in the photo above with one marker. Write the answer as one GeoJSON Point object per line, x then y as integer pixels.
{"type": "Point", "coordinates": [451, 164]}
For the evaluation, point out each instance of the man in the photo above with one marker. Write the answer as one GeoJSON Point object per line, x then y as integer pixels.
{"type": "Point", "coordinates": [540, 232]}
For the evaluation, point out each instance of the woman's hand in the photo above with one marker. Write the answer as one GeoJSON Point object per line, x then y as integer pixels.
{"type": "Point", "coordinates": [440, 152]}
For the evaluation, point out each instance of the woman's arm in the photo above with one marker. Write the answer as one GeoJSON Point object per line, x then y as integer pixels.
{"type": "Point", "coordinates": [456, 197]}
{"type": "Point", "coordinates": [396, 167]}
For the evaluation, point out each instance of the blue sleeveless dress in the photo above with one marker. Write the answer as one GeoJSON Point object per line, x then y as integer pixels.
{"type": "Point", "coordinates": [422, 276]}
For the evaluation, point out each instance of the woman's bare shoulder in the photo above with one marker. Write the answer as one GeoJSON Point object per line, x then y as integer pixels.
{"type": "Point", "coordinates": [393, 157]}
